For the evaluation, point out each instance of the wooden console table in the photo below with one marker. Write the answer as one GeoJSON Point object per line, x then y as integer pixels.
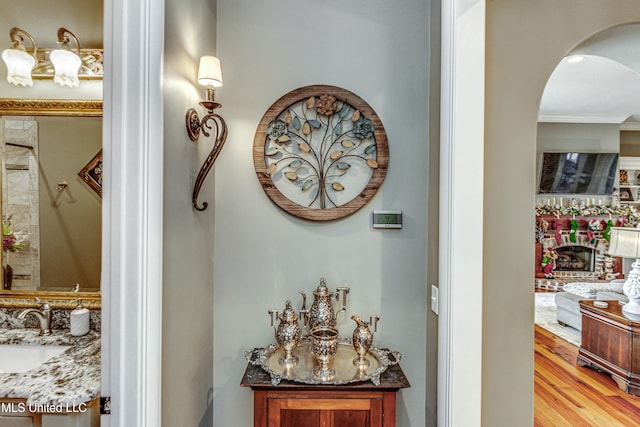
{"type": "Point", "coordinates": [291, 404]}
{"type": "Point", "coordinates": [611, 342]}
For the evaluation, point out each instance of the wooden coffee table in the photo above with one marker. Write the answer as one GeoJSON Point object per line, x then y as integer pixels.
{"type": "Point", "coordinates": [611, 343]}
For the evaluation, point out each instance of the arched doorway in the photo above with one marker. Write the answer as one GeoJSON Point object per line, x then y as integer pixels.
{"type": "Point", "coordinates": [589, 107]}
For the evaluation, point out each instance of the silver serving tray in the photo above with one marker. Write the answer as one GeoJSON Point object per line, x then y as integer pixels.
{"type": "Point", "coordinates": [271, 359]}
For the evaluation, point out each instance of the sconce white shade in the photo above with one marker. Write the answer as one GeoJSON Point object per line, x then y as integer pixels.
{"type": "Point", "coordinates": [19, 65]}
{"type": "Point", "coordinates": [625, 242]}
{"type": "Point", "coordinates": [210, 73]}
{"type": "Point", "coordinates": [66, 65]}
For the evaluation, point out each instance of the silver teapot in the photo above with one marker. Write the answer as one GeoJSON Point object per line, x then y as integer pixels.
{"type": "Point", "coordinates": [321, 312]}
{"type": "Point", "coordinates": [288, 333]}
{"type": "Point", "coordinates": [362, 339]}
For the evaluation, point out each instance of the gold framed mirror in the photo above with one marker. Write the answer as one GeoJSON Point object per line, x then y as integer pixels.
{"type": "Point", "coordinates": [58, 192]}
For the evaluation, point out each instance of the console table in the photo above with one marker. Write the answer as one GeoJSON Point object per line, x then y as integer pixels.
{"type": "Point", "coordinates": [611, 342]}
{"type": "Point", "coordinates": [291, 404]}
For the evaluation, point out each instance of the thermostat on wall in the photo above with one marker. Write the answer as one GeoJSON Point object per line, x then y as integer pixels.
{"type": "Point", "coordinates": [386, 219]}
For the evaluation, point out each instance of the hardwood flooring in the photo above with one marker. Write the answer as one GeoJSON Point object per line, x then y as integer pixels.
{"type": "Point", "coordinates": [570, 395]}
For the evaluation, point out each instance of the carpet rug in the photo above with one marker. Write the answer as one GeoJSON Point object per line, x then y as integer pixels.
{"type": "Point", "coordinates": [545, 317]}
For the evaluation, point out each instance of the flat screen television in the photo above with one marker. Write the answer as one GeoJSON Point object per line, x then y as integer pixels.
{"type": "Point", "coordinates": [577, 173]}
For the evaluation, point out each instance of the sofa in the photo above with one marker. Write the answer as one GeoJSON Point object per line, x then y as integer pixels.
{"type": "Point", "coordinates": [568, 301]}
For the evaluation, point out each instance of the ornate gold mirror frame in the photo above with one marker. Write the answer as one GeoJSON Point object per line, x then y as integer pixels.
{"type": "Point", "coordinates": [49, 107]}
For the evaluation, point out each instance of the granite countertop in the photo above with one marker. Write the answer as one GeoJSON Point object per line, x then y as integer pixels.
{"type": "Point", "coordinates": [68, 380]}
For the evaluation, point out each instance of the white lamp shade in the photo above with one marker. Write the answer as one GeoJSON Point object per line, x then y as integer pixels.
{"type": "Point", "coordinates": [19, 65]}
{"type": "Point", "coordinates": [66, 65]}
{"type": "Point", "coordinates": [210, 73]}
{"type": "Point", "coordinates": [625, 242]}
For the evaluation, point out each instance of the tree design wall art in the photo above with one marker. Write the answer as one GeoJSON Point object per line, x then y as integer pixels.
{"type": "Point", "coordinates": [320, 152]}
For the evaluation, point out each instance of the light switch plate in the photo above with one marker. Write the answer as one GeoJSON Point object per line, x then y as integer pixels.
{"type": "Point", "coordinates": [434, 299]}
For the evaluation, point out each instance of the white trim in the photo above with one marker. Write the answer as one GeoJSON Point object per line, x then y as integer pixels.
{"type": "Point", "coordinates": [461, 192]}
{"type": "Point", "coordinates": [132, 212]}
{"type": "Point", "coordinates": [550, 118]}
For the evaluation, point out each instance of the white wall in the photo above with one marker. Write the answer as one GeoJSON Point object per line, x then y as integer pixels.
{"type": "Point", "coordinates": [263, 256]}
{"type": "Point", "coordinates": [187, 312]}
{"type": "Point", "coordinates": [583, 137]}
{"type": "Point", "coordinates": [525, 42]}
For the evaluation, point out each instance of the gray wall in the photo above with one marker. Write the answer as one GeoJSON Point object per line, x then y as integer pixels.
{"type": "Point", "coordinates": [263, 256]}
{"type": "Point", "coordinates": [187, 311]}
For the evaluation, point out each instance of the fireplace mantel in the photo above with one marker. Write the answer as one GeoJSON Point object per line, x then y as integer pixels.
{"type": "Point", "coordinates": [555, 231]}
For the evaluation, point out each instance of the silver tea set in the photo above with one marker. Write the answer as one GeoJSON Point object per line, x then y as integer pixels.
{"type": "Point", "coordinates": [321, 320]}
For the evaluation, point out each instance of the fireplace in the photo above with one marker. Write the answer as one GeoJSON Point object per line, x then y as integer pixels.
{"type": "Point", "coordinates": [575, 258]}
{"type": "Point", "coordinates": [581, 256]}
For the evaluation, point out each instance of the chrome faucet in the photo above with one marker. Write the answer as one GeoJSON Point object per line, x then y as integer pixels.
{"type": "Point", "coordinates": [43, 316]}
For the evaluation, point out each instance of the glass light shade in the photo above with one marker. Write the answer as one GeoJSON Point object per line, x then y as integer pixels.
{"type": "Point", "coordinates": [625, 242]}
{"type": "Point", "coordinates": [67, 65]}
{"type": "Point", "coordinates": [19, 66]}
{"type": "Point", "coordinates": [210, 73]}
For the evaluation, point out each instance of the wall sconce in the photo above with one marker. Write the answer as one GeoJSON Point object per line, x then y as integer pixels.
{"type": "Point", "coordinates": [209, 76]}
{"type": "Point", "coordinates": [62, 65]}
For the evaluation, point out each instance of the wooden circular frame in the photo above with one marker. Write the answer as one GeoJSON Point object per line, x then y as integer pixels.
{"type": "Point", "coordinates": [313, 214]}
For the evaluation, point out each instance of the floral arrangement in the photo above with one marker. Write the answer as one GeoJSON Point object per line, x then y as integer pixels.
{"type": "Point", "coordinates": [12, 241]}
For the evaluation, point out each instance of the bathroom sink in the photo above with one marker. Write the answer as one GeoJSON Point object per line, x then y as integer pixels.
{"type": "Point", "coordinates": [20, 358]}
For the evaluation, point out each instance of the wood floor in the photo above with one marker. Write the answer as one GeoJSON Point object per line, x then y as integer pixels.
{"type": "Point", "coordinates": [569, 395]}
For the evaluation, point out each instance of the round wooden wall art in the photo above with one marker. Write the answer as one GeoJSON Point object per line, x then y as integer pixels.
{"type": "Point", "coordinates": [320, 152]}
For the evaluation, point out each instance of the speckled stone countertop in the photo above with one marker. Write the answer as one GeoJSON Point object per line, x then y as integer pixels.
{"type": "Point", "coordinates": [69, 379]}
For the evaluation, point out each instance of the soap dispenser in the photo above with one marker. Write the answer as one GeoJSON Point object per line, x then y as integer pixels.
{"type": "Point", "coordinates": [79, 320]}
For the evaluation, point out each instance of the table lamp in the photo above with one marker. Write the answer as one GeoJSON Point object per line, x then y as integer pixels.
{"type": "Point", "coordinates": [625, 242]}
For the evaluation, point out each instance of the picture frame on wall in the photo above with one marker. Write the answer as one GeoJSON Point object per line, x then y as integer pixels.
{"type": "Point", "coordinates": [625, 194]}
{"type": "Point", "coordinates": [92, 173]}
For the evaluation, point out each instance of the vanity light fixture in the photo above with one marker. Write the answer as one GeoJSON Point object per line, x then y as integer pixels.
{"type": "Point", "coordinates": [209, 76]}
{"type": "Point", "coordinates": [64, 66]}
{"type": "Point", "coordinates": [19, 62]}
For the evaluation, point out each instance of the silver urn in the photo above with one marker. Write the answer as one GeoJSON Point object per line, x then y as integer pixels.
{"type": "Point", "coordinates": [288, 333]}
{"type": "Point", "coordinates": [321, 312]}
{"type": "Point", "coordinates": [324, 345]}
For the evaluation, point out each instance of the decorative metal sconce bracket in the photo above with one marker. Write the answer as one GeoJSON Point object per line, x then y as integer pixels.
{"type": "Point", "coordinates": [194, 127]}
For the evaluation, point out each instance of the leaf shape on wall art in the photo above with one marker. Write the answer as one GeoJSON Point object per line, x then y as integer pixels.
{"type": "Point", "coordinates": [271, 151]}
{"type": "Point", "coordinates": [338, 128]}
{"type": "Point", "coordinates": [315, 123]}
{"type": "Point", "coordinates": [339, 106]}
{"type": "Point", "coordinates": [306, 129]}
{"type": "Point", "coordinates": [307, 184]}
{"type": "Point", "coordinates": [372, 163]}
{"type": "Point", "coordinates": [343, 112]}
{"type": "Point", "coordinates": [355, 116]}
{"type": "Point", "coordinates": [284, 138]}
{"type": "Point", "coordinates": [370, 149]}
{"type": "Point", "coordinates": [296, 123]}
{"type": "Point", "coordinates": [335, 155]}
{"type": "Point", "coordinates": [347, 143]}
{"type": "Point", "coordinates": [271, 169]}
{"type": "Point", "coordinates": [311, 102]}
{"type": "Point", "coordinates": [304, 147]}
{"type": "Point", "coordinates": [287, 117]}
{"type": "Point", "coordinates": [291, 176]}
{"type": "Point", "coordinates": [295, 164]}
{"type": "Point", "coordinates": [343, 165]}
{"type": "Point", "coordinates": [337, 186]}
